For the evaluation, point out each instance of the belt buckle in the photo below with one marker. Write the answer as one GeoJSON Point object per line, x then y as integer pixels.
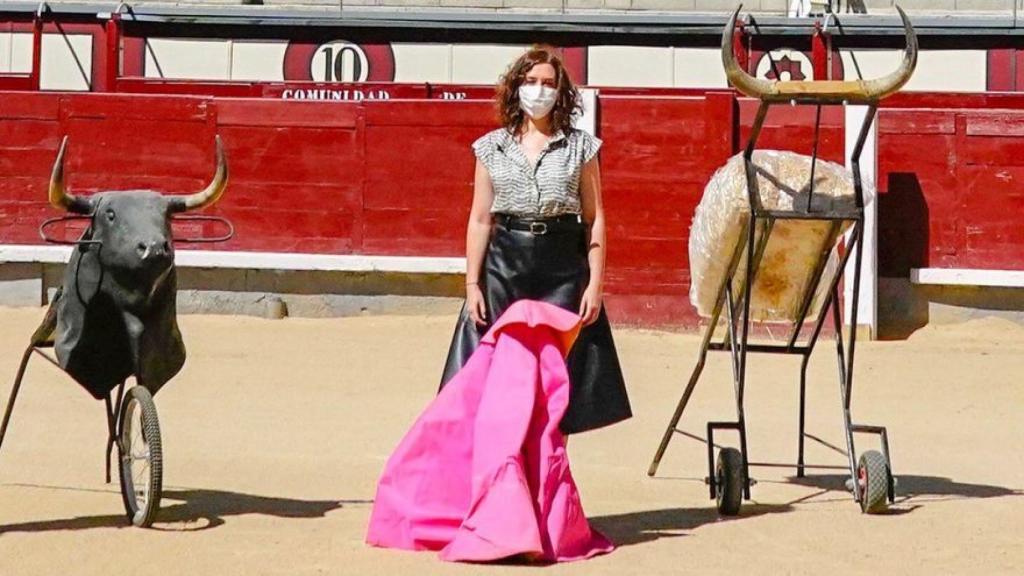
{"type": "Point", "coordinates": [538, 228]}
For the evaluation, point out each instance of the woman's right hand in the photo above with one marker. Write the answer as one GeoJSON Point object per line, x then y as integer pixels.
{"type": "Point", "coordinates": [476, 305]}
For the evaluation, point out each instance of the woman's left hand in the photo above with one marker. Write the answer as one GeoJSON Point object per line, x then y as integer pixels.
{"type": "Point", "coordinates": [590, 305]}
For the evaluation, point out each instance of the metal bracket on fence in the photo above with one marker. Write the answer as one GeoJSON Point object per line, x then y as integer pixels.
{"type": "Point", "coordinates": [206, 218]}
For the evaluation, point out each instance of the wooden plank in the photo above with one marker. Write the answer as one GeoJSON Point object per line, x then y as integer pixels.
{"type": "Point", "coordinates": [437, 113]}
{"type": "Point", "coordinates": [1001, 124]}
{"type": "Point", "coordinates": [29, 133]}
{"type": "Point", "coordinates": [906, 122]}
{"type": "Point", "coordinates": [279, 114]}
{"type": "Point", "coordinates": [437, 232]}
{"type": "Point", "coordinates": [29, 105]}
{"type": "Point", "coordinates": [419, 167]}
{"type": "Point", "coordinates": [992, 151]}
{"type": "Point", "coordinates": [136, 107]}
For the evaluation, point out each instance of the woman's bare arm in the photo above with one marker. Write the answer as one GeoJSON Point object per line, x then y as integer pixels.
{"type": "Point", "coordinates": [478, 234]}
{"type": "Point", "coordinates": [593, 218]}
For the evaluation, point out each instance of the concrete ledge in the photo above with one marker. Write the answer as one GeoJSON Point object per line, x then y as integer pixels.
{"type": "Point", "coordinates": [968, 277]}
{"type": "Point", "coordinates": [21, 284]}
{"type": "Point", "coordinates": [313, 305]}
{"type": "Point", "coordinates": [904, 305]}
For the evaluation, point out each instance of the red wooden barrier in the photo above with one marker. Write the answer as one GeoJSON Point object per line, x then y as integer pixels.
{"type": "Point", "coordinates": [951, 189]}
{"type": "Point", "coordinates": [395, 177]}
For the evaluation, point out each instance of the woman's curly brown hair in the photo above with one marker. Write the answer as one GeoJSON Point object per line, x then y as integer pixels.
{"type": "Point", "coordinates": [567, 104]}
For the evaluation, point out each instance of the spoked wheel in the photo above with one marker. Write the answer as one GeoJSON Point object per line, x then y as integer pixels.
{"type": "Point", "coordinates": [875, 482]}
{"type": "Point", "coordinates": [141, 457]}
{"type": "Point", "coordinates": [729, 481]}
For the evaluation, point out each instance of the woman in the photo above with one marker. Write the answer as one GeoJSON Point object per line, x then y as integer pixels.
{"type": "Point", "coordinates": [537, 231]}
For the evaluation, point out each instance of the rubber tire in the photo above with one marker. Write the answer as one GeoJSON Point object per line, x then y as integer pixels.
{"type": "Point", "coordinates": [142, 517]}
{"type": "Point", "coordinates": [729, 482]}
{"type": "Point", "coordinates": [874, 498]}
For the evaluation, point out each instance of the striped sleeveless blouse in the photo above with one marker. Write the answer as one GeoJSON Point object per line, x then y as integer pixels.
{"type": "Point", "coordinates": [549, 188]}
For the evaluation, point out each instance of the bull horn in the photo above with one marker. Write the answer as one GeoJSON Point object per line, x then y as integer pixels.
{"type": "Point", "coordinates": [213, 191]}
{"type": "Point", "coordinates": [59, 197]}
{"type": "Point", "coordinates": [882, 87]}
{"type": "Point", "coordinates": [738, 77]}
{"type": "Point", "coordinates": [826, 90]}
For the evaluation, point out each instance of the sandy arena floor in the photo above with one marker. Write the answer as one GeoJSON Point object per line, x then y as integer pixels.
{"type": "Point", "coordinates": [275, 432]}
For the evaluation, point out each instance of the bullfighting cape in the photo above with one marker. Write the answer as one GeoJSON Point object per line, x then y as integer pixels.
{"type": "Point", "coordinates": [483, 473]}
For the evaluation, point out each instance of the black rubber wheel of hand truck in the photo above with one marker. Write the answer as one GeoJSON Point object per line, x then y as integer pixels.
{"type": "Point", "coordinates": [729, 481]}
{"type": "Point", "coordinates": [875, 481]}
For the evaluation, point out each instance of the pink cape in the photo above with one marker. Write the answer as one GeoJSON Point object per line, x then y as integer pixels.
{"type": "Point", "coordinates": [483, 473]}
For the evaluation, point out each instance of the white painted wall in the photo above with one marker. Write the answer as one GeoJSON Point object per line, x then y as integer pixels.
{"type": "Point", "coordinates": [937, 70]}
{"type": "Point", "coordinates": [20, 56]}
{"type": "Point", "coordinates": [631, 66]}
{"type": "Point", "coordinates": [263, 60]}
{"type": "Point", "coordinates": [188, 58]}
{"type": "Point", "coordinates": [422, 62]}
{"type": "Point", "coordinates": [867, 307]}
{"type": "Point", "coordinates": [66, 59]}
{"type": "Point", "coordinates": [698, 68]}
{"type": "Point", "coordinates": [5, 53]}
{"type": "Point", "coordinates": [481, 63]}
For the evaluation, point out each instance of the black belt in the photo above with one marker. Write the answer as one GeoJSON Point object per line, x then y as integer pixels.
{"type": "Point", "coordinates": [540, 225]}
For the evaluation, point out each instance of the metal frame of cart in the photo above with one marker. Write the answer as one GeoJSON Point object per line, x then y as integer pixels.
{"type": "Point", "coordinates": [728, 478]}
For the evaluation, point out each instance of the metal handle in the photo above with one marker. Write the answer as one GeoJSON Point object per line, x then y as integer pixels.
{"type": "Point", "coordinates": [206, 218]}
{"type": "Point", "coordinates": [51, 221]}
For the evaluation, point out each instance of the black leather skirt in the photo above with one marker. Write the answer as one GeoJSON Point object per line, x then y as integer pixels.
{"type": "Point", "coordinates": [549, 262]}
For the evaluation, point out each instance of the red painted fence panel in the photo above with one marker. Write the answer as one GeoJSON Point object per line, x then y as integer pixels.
{"type": "Point", "coordinates": [395, 177]}
{"type": "Point", "coordinates": [951, 185]}
{"type": "Point", "coordinates": [419, 175]}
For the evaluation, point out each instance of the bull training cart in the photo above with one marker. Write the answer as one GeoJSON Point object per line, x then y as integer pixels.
{"type": "Point", "coordinates": [871, 480]}
{"type": "Point", "coordinates": [132, 422]}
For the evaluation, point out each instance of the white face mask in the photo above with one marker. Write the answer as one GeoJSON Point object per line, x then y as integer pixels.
{"type": "Point", "coordinates": [536, 99]}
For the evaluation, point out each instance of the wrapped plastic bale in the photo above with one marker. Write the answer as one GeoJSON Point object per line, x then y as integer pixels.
{"type": "Point", "coordinates": [795, 246]}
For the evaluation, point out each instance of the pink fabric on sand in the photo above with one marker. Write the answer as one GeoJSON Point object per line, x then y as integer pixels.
{"type": "Point", "coordinates": [483, 473]}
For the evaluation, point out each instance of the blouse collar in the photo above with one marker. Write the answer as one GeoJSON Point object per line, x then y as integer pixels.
{"type": "Point", "coordinates": [511, 147]}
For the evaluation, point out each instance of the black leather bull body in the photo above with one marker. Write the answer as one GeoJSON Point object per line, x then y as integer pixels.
{"type": "Point", "coordinates": [115, 314]}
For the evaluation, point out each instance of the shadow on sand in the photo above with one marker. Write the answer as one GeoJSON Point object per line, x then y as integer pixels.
{"type": "Point", "coordinates": [649, 525]}
{"type": "Point", "coordinates": [191, 510]}
{"type": "Point", "coordinates": [914, 488]}
{"type": "Point", "coordinates": [912, 492]}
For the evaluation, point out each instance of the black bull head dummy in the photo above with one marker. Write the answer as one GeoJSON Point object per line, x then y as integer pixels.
{"type": "Point", "coordinates": [115, 312]}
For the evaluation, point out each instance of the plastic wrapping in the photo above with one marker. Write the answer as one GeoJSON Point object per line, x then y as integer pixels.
{"type": "Point", "coordinates": [794, 248]}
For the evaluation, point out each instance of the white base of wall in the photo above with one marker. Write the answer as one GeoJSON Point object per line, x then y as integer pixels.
{"type": "Point", "coordinates": [15, 253]}
{"type": "Point", "coordinates": [968, 277]}
{"type": "Point", "coordinates": [262, 283]}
